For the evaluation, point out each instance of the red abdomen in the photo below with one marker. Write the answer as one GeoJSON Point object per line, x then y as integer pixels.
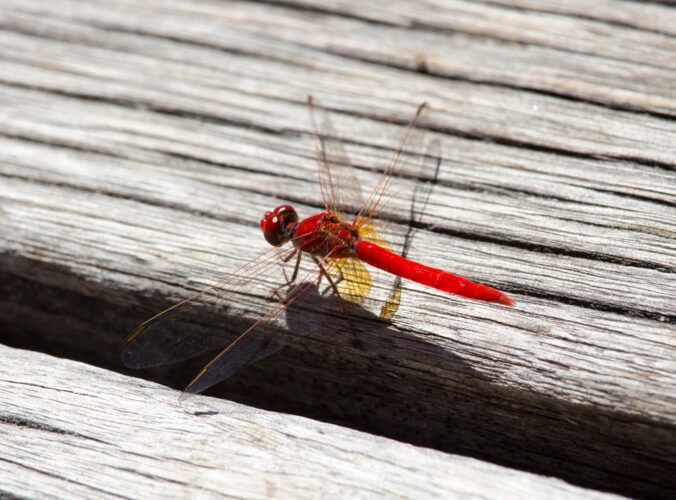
{"type": "Point", "coordinates": [436, 278]}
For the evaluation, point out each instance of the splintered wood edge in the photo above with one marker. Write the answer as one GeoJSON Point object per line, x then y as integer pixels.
{"type": "Point", "coordinates": [71, 428]}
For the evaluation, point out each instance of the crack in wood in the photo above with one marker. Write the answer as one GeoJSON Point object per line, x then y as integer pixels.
{"type": "Point", "coordinates": [426, 26]}
{"type": "Point", "coordinates": [466, 235]}
{"type": "Point", "coordinates": [584, 16]}
{"type": "Point", "coordinates": [18, 421]}
{"type": "Point", "coordinates": [63, 478]}
{"type": "Point", "coordinates": [506, 414]}
{"type": "Point", "coordinates": [371, 60]}
{"type": "Point", "coordinates": [219, 120]}
{"type": "Point", "coordinates": [497, 84]}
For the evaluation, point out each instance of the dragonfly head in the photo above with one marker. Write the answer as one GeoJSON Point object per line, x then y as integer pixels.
{"type": "Point", "coordinates": [278, 225]}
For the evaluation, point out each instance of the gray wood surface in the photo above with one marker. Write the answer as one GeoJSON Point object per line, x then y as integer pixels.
{"type": "Point", "coordinates": [132, 439]}
{"type": "Point", "coordinates": [140, 143]}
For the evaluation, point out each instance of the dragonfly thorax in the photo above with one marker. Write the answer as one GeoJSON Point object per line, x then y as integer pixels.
{"type": "Point", "coordinates": [325, 233]}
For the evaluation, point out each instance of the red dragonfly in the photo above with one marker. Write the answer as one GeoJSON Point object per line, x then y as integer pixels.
{"type": "Point", "coordinates": [338, 240]}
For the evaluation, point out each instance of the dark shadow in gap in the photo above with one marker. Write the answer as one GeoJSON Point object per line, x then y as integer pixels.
{"type": "Point", "coordinates": [398, 385]}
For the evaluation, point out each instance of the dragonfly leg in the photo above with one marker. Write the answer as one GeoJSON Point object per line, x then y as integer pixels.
{"type": "Point", "coordinates": [287, 258]}
{"type": "Point", "coordinates": [333, 285]}
{"type": "Point", "coordinates": [343, 303]}
{"type": "Point", "coordinates": [296, 267]}
{"type": "Point", "coordinates": [336, 281]}
{"type": "Point", "coordinates": [299, 255]}
{"type": "Point", "coordinates": [341, 277]}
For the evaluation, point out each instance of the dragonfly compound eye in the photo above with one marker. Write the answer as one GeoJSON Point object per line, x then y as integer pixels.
{"type": "Point", "coordinates": [278, 225]}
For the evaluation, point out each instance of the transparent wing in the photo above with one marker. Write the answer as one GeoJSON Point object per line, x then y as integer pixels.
{"type": "Point", "coordinates": [419, 200]}
{"type": "Point", "coordinates": [426, 178]}
{"type": "Point", "coordinates": [260, 340]}
{"type": "Point", "coordinates": [341, 193]}
{"type": "Point", "coordinates": [339, 186]}
{"type": "Point", "coordinates": [370, 210]}
{"type": "Point", "coordinates": [197, 324]}
{"type": "Point", "coordinates": [412, 198]}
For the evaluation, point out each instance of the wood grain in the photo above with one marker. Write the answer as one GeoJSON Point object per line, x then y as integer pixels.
{"type": "Point", "coordinates": [69, 427]}
{"type": "Point", "coordinates": [136, 158]}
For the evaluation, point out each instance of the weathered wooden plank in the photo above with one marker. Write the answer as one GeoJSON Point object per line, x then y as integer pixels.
{"type": "Point", "coordinates": [498, 112]}
{"type": "Point", "coordinates": [583, 356]}
{"type": "Point", "coordinates": [639, 15]}
{"type": "Point", "coordinates": [136, 158]}
{"type": "Point", "coordinates": [470, 200]}
{"type": "Point", "coordinates": [269, 31]}
{"type": "Point", "coordinates": [33, 228]}
{"type": "Point", "coordinates": [597, 28]}
{"type": "Point", "coordinates": [68, 429]}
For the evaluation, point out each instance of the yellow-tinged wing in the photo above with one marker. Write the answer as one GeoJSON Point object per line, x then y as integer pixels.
{"type": "Point", "coordinates": [367, 232]}
{"type": "Point", "coordinates": [392, 302]}
{"type": "Point", "coordinates": [354, 281]}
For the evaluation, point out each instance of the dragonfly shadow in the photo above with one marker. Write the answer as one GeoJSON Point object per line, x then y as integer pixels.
{"type": "Point", "coordinates": [195, 330]}
{"type": "Point", "coordinates": [176, 336]}
{"type": "Point", "coordinates": [359, 371]}
{"type": "Point", "coordinates": [321, 322]}
{"type": "Point", "coordinates": [320, 347]}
